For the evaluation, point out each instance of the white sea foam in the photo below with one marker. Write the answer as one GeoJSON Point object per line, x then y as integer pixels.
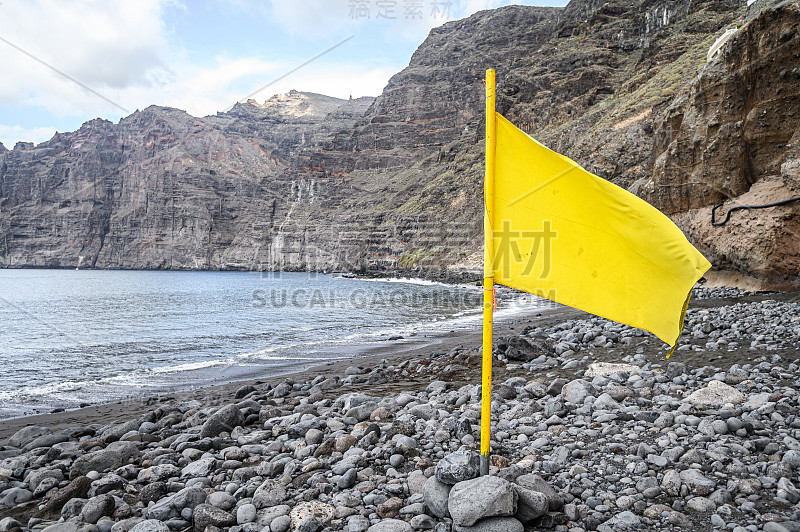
{"type": "Point", "coordinates": [264, 354]}
{"type": "Point", "coordinates": [42, 390]}
{"type": "Point", "coordinates": [189, 366]}
{"type": "Point", "coordinates": [404, 280]}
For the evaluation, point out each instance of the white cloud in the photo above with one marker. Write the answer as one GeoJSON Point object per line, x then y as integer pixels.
{"type": "Point", "coordinates": [9, 135]}
{"type": "Point", "coordinates": [409, 20]}
{"type": "Point", "coordinates": [325, 19]}
{"type": "Point", "coordinates": [124, 51]}
{"type": "Point", "coordinates": [312, 17]}
{"type": "Point", "coordinates": [107, 45]}
{"type": "Point", "coordinates": [204, 91]}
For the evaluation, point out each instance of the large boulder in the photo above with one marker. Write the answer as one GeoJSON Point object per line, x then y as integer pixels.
{"type": "Point", "coordinates": [671, 483]}
{"type": "Point", "coordinates": [436, 495]}
{"type": "Point", "coordinates": [537, 483]}
{"type": "Point", "coordinates": [697, 482]}
{"type": "Point", "coordinates": [270, 493]}
{"type": "Point", "coordinates": [458, 466]}
{"type": "Point", "coordinates": [173, 505]}
{"type": "Point", "coordinates": [152, 492]}
{"type": "Point", "coordinates": [128, 449]}
{"type": "Point", "coordinates": [157, 473]}
{"type": "Point", "coordinates": [205, 515]}
{"type": "Point", "coordinates": [199, 468]}
{"type": "Point", "coordinates": [25, 435]}
{"type": "Point", "coordinates": [479, 498]}
{"type": "Point", "coordinates": [223, 420]}
{"type": "Point", "coordinates": [14, 496]}
{"type": "Point", "coordinates": [47, 440]}
{"type": "Point", "coordinates": [97, 507]}
{"type": "Point", "coordinates": [609, 368]}
{"type": "Point", "coordinates": [72, 508]}
{"type": "Point", "coordinates": [319, 511]}
{"type": "Point", "coordinates": [717, 392]}
{"type": "Point", "coordinates": [622, 521]}
{"type": "Point", "coordinates": [77, 489]}
{"type": "Point", "coordinates": [574, 392]}
{"type": "Point", "coordinates": [35, 478]}
{"type": "Point", "coordinates": [530, 504]}
{"type": "Point", "coordinates": [114, 432]}
{"type": "Point", "coordinates": [222, 500]}
{"type": "Point", "coordinates": [606, 403]}
{"type": "Point", "coordinates": [150, 525]}
{"type": "Point", "coordinates": [520, 348]}
{"type": "Point", "coordinates": [100, 461]}
{"type": "Point", "coordinates": [9, 524]}
{"type": "Point", "coordinates": [756, 401]}
{"type": "Point", "coordinates": [106, 484]}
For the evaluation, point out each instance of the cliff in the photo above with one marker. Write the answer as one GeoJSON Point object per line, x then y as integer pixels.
{"type": "Point", "coordinates": [310, 182]}
{"type": "Point", "coordinates": [161, 189]}
{"type": "Point", "coordinates": [733, 136]}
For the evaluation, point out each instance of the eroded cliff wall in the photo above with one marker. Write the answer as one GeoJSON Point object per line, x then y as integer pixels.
{"type": "Point", "coordinates": [310, 182]}
{"type": "Point", "coordinates": [733, 136]}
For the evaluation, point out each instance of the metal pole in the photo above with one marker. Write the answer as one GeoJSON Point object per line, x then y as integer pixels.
{"type": "Point", "coordinates": [488, 274]}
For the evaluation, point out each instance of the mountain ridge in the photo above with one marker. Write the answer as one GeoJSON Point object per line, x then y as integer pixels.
{"type": "Point", "coordinates": [395, 182]}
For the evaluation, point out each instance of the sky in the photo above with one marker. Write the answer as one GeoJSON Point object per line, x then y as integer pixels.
{"type": "Point", "coordinates": [66, 62]}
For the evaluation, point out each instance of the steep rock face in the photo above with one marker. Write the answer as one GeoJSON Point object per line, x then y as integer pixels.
{"type": "Point", "coordinates": [161, 189]}
{"type": "Point", "coordinates": [310, 182]}
{"type": "Point", "coordinates": [734, 125]}
{"type": "Point", "coordinates": [292, 123]}
{"type": "Point", "coordinates": [734, 136]}
{"type": "Point", "coordinates": [604, 82]}
{"type": "Point", "coordinates": [764, 245]}
{"type": "Point", "coordinates": [429, 104]}
{"type": "Point", "coordinates": [48, 207]}
{"type": "Point", "coordinates": [586, 80]}
{"type": "Point", "coordinates": [615, 68]}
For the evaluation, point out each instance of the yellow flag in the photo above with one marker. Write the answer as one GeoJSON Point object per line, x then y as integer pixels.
{"type": "Point", "coordinates": [565, 234]}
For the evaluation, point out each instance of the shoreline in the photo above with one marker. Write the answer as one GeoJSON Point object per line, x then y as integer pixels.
{"type": "Point", "coordinates": [591, 427]}
{"type": "Point", "coordinates": [362, 355]}
{"type": "Point", "coordinates": [397, 352]}
{"type": "Point", "coordinates": [226, 362]}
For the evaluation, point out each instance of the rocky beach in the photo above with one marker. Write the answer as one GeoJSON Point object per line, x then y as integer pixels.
{"type": "Point", "coordinates": [592, 429]}
{"type": "Point", "coordinates": [691, 106]}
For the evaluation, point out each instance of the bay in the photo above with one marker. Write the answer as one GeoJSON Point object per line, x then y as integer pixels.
{"type": "Point", "coordinates": [74, 337]}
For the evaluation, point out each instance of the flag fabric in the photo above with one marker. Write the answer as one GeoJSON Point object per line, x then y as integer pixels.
{"type": "Point", "coordinates": [564, 234]}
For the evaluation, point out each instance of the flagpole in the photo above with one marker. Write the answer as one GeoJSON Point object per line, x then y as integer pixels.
{"type": "Point", "coordinates": [488, 274]}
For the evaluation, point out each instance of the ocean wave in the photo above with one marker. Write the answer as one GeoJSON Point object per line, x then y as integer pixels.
{"type": "Point", "coordinates": [175, 352]}
{"type": "Point", "coordinates": [406, 280]}
{"type": "Point", "coordinates": [43, 390]}
{"type": "Point", "coordinates": [189, 366]}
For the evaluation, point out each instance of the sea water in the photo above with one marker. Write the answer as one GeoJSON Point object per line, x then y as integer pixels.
{"type": "Point", "coordinates": [69, 338]}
